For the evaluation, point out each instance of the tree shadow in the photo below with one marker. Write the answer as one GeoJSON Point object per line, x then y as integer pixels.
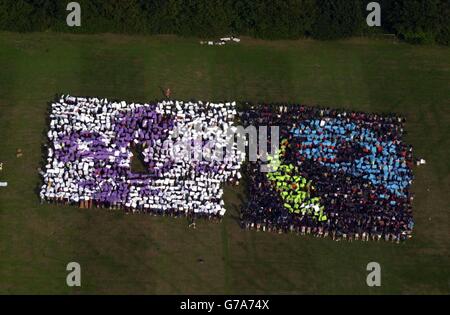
{"type": "Point", "coordinates": [138, 164]}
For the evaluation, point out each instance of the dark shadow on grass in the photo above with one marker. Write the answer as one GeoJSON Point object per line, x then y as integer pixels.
{"type": "Point", "coordinates": [138, 164]}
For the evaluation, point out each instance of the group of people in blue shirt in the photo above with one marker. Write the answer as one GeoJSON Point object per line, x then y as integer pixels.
{"type": "Point", "coordinates": [357, 163]}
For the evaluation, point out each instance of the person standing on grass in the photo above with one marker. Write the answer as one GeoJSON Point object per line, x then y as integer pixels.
{"type": "Point", "coordinates": [167, 93]}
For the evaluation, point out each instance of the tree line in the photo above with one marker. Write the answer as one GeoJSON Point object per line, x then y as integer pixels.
{"type": "Point", "coordinates": [416, 21]}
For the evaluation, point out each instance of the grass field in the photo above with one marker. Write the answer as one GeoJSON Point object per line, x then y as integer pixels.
{"type": "Point", "coordinates": [122, 253]}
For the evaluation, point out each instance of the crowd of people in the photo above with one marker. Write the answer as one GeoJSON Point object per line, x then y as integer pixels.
{"type": "Point", "coordinates": [337, 173]}
{"type": "Point", "coordinates": [354, 166]}
{"type": "Point", "coordinates": [90, 154]}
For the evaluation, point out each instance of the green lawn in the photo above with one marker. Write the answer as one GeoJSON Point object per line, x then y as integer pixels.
{"type": "Point", "coordinates": [144, 254]}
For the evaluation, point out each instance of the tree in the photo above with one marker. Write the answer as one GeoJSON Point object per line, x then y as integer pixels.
{"type": "Point", "coordinates": [337, 19]}
{"type": "Point", "coordinates": [417, 21]}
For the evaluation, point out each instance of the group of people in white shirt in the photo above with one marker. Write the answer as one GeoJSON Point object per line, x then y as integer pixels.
{"type": "Point", "coordinates": [91, 145]}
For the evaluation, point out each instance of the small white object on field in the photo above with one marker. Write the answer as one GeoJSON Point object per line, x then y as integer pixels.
{"type": "Point", "coordinates": [221, 42]}
{"type": "Point", "coordinates": [421, 162]}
